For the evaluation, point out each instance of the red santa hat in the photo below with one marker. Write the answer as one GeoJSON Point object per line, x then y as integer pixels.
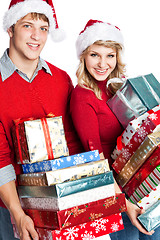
{"type": "Point", "coordinates": [97, 30]}
{"type": "Point", "coordinates": [20, 8]}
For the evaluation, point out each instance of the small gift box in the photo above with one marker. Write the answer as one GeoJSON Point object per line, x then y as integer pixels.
{"type": "Point", "coordinates": [64, 175]}
{"type": "Point", "coordinates": [150, 199]}
{"type": "Point", "coordinates": [151, 218]}
{"type": "Point", "coordinates": [150, 183]}
{"type": "Point", "coordinates": [62, 162]}
{"type": "Point", "coordinates": [131, 129]}
{"type": "Point", "coordinates": [151, 163]}
{"type": "Point", "coordinates": [135, 97]}
{"type": "Point", "coordinates": [63, 189]}
{"type": "Point", "coordinates": [79, 214]}
{"type": "Point", "coordinates": [90, 230]}
{"type": "Point", "coordinates": [138, 158]}
{"type": "Point", "coordinates": [39, 139]}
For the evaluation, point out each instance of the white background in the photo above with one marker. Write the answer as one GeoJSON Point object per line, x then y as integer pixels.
{"type": "Point", "coordinates": [139, 21]}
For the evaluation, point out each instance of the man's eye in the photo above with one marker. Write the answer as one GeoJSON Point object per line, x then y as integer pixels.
{"type": "Point", "coordinates": [44, 29]}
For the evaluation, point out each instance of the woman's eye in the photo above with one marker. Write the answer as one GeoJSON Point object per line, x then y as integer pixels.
{"type": "Point", "coordinates": [111, 55]}
{"type": "Point", "coordinates": [94, 55]}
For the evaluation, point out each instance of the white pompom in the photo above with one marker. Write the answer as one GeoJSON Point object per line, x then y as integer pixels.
{"type": "Point", "coordinates": [58, 35]}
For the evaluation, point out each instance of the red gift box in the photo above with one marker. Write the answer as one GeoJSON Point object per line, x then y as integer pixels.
{"type": "Point", "coordinates": [90, 230]}
{"type": "Point", "coordinates": [147, 127]}
{"type": "Point", "coordinates": [79, 214]}
{"type": "Point", "coordinates": [152, 162]}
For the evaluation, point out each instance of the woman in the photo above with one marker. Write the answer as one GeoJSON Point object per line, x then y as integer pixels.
{"type": "Point", "coordinates": [99, 48]}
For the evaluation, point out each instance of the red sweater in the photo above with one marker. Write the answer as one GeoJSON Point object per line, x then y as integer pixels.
{"type": "Point", "coordinates": [21, 99]}
{"type": "Point", "coordinates": [93, 119]}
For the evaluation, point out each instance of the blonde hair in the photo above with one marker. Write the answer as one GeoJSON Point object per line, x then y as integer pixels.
{"type": "Point", "coordinates": [85, 79]}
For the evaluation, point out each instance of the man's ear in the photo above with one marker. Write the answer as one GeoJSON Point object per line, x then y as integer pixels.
{"type": "Point", "coordinates": [10, 32]}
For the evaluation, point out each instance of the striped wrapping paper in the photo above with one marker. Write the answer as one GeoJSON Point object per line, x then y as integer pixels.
{"type": "Point", "coordinates": [150, 183]}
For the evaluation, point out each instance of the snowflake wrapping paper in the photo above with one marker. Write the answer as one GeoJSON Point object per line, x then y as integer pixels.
{"type": "Point", "coordinates": [40, 139]}
{"type": "Point", "coordinates": [63, 162]}
{"type": "Point", "coordinates": [85, 231]}
{"type": "Point", "coordinates": [150, 199]}
{"type": "Point", "coordinates": [146, 128]}
{"type": "Point", "coordinates": [135, 97]}
{"type": "Point", "coordinates": [79, 214]}
{"type": "Point", "coordinates": [132, 127]}
{"type": "Point", "coordinates": [64, 175]}
{"type": "Point", "coordinates": [51, 203]}
{"type": "Point", "coordinates": [63, 189]}
{"type": "Point", "coordinates": [151, 218]}
{"type": "Point", "coordinates": [138, 158]}
{"type": "Point", "coordinates": [145, 170]}
{"type": "Point", "coordinates": [150, 183]}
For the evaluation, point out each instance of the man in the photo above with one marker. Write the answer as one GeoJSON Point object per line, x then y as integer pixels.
{"type": "Point", "coordinates": [29, 87]}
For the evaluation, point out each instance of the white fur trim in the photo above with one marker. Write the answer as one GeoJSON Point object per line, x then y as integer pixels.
{"type": "Point", "coordinates": [21, 9]}
{"type": "Point", "coordinates": [98, 31]}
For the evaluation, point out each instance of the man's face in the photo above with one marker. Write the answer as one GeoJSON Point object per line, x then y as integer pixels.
{"type": "Point", "coordinates": [28, 38]}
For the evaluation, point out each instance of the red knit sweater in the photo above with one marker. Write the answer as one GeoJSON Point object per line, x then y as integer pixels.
{"type": "Point", "coordinates": [93, 119]}
{"type": "Point", "coordinates": [21, 99]}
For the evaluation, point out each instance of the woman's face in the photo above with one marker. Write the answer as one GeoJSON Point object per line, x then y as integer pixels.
{"type": "Point", "coordinates": [100, 61]}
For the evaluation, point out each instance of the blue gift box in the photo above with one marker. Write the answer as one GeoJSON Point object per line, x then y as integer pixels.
{"type": "Point", "coordinates": [135, 97]}
{"type": "Point", "coordinates": [151, 218]}
{"type": "Point", "coordinates": [59, 163]}
{"type": "Point", "coordinates": [63, 189]}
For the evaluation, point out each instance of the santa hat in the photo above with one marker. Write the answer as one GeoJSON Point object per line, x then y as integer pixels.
{"type": "Point", "coordinates": [20, 8]}
{"type": "Point", "coordinates": [97, 30]}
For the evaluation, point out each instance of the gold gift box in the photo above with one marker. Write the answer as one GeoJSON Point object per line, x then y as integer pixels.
{"type": "Point", "coordinates": [138, 158]}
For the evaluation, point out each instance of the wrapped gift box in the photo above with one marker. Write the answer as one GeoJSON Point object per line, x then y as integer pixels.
{"type": "Point", "coordinates": [150, 164]}
{"type": "Point", "coordinates": [151, 218]}
{"type": "Point", "coordinates": [146, 128]}
{"type": "Point", "coordinates": [131, 129]}
{"type": "Point", "coordinates": [63, 189]}
{"type": "Point", "coordinates": [138, 158]}
{"type": "Point", "coordinates": [78, 214]}
{"type": "Point", "coordinates": [135, 97]}
{"type": "Point", "coordinates": [83, 231]}
{"type": "Point", "coordinates": [150, 199]}
{"type": "Point", "coordinates": [50, 203]}
{"type": "Point", "coordinates": [65, 174]}
{"type": "Point", "coordinates": [62, 162]}
{"type": "Point", "coordinates": [150, 183]}
{"type": "Point", "coordinates": [40, 139]}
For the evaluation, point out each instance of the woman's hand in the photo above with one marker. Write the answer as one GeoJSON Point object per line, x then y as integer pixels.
{"type": "Point", "coordinates": [133, 212]}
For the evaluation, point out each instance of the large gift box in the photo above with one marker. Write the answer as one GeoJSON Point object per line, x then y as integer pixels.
{"type": "Point", "coordinates": [151, 163]}
{"type": "Point", "coordinates": [63, 162]}
{"type": "Point", "coordinates": [135, 97]}
{"type": "Point", "coordinates": [32, 201]}
{"type": "Point", "coordinates": [90, 230]}
{"type": "Point", "coordinates": [149, 184]}
{"type": "Point", "coordinates": [151, 218]}
{"type": "Point", "coordinates": [138, 158]}
{"type": "Point", "coordinates": [63, 189]}
{"type": "Point", "coordinates": [131, 129]}
{"type": "Point", "coordinates": [64, 175]}
{"type": "Point", "coordinates": [78, 214]}
{"type": "Point", "coordinates": [146, 128]}
{"type": "Point", "coordinates": [39, 139]}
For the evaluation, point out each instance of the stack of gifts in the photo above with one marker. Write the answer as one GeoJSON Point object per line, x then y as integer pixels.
{"type": "Point", "coordinates": [137, 154]}
{"type": "Point", "coordinates": [66, 196]}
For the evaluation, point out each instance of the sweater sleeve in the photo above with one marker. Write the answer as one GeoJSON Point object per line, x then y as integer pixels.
{"type": "Point", "coordinates": [84, 115]}
{"type": "Point", "coordinates": [5, 152]}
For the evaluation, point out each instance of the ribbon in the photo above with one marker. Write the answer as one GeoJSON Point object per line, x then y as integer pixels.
{"type": "Point", "coordinates": [47, 138]}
